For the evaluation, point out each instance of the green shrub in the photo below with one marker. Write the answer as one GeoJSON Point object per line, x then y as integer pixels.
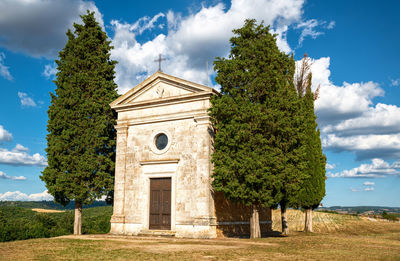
{"type": "Point", "coordinates": [18, 223]}
{"type": "Point", "coordinates": [389, 216]}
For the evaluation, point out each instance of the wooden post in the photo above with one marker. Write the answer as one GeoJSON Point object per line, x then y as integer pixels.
{"type": "Point", "coordinates": [285, 228]}
{"type": "Point", "coordinates": [78, 218]}
{"type": "Point", "coordinates": [308, 220]}
{"type": "Point", "coordinates": [255, 223]}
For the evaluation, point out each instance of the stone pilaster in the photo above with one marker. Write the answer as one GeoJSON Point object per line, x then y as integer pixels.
{"type": "Point", "coordinates": [120, 176]}
{"type": "Point", "coordinates": [204, 168]}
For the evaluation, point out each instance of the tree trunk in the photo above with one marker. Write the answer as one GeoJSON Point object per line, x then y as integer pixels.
{"type": "Point", "coordinates": [285, 228]}
{"type": "Point", "coordinates": [78, 218]}
{"type": "Point", "coordinates": [308, 221]}
{"type": "Point", "coordinates": [255, 231]}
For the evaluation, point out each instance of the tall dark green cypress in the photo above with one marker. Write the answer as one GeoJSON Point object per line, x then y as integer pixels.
{"type": "Point", "coordinates": [81, 136]}
{"type": "Point", "coordinates": [313, 188]}
{"type": "Point", "coordinates": [253, 120]}
{"type": "Point", "coordinates": [290, 141]}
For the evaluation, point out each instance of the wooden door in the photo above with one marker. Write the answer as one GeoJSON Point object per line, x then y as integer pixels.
{"type": "Point", "coordinates": [160, 203]}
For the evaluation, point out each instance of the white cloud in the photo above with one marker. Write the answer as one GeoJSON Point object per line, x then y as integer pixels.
{"type": "Point", "coordinates": [4, 134]}
{"type": "Point", "coordinates": [381, 119]}
{"type": "Point", "coordinates": [331, 25]}
{"type": "Point", "coordinates": [369, 189]}
{"type": "Point", "coordinates": [19, 147]}
{"type": "Point", "coordinates": [377, 169]}
{"type": "Point", "coordinates": [4, 72]}
{"type": "Point", "coordinates": [19, 196]}
{"type": "Point", "coordinates": [144, 23]}
{"type": "Point", "coordinates": [336, 103]}
{"type": "Point", "coordinates": [26, 100]}
{"type": "Point", "coordinates": [50, 70]}
{"type": "Point", "coordinates": [193, 40]}
{"type": "Point", "coordinates": [19, 157]}
{"type": "Point", "coordinates": [37, 27]}
{"type": "Point", "coordinates": [330, 166]}
{"type": "Point", "coordinates": [5, 176]}
{"type": "Point", "coordinates": [395, 82]}
{"type": "Point", "coordinates": [365, 146]}
{"type": "Point", "coordinates": [340, 102]}
{"type": "Point", "coordinates": [350, 121]}
{"type": "Point", "coordinates": [309, 28]}
{"type": "Point", "coordinates": [369, 183]}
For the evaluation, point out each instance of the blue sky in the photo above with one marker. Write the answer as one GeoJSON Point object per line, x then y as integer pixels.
{"type": "Point", "coordinates": [352, 44]}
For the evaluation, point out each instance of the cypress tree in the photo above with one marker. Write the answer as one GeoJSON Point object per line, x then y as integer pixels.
{"type": "Point", "coordinates": [291, 147]}
{"type": "Point", "coordinates": [313, 187]}
{"type": "Point", "coordinates": [253, 135]}
{"type": "Point", "coordinates": [81, 136]}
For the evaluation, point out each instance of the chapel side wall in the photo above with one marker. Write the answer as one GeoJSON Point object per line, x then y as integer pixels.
{"type": "Point", "coordinates": [234, 219]}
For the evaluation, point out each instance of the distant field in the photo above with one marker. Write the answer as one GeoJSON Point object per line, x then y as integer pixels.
{"type": "Point", "coordinates": [48, 204]}
{"type": "Point", "coordinates": [338, 237]}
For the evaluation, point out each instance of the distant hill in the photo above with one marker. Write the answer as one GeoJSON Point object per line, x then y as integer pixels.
{"type": "Point", "coordinates": [360, 209]}
{"type": "Point", "coordinates": [48, 204]}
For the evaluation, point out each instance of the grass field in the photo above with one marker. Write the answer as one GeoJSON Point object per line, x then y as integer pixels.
{"type": "Point", "coordinates": [339, 237]}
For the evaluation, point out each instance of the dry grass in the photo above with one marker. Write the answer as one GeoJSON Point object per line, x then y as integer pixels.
{"type": "Point", "coordinates": [43, 210]}
{"type": "Point", "coordinates": [322, 222]}
{"type": "Point", "coordinates": [351, 239]}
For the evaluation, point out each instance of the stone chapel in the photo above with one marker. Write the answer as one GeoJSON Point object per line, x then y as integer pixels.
{"type": "Point", "coordinates": [163, 169]}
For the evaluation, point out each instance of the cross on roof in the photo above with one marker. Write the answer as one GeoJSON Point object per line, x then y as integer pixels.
{"type": "Point", "coordinates": [159, 60]}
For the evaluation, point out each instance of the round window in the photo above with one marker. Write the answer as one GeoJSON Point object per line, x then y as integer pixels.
{"type": "Point", "coordinates": [161, 141]}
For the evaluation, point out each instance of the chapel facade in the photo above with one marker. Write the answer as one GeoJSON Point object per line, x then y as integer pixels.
{"type": "Point", "coordinates": [163, 169]}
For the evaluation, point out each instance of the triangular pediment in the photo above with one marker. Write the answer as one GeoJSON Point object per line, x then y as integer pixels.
{"type": "Point", "coordinates": [160, 86]}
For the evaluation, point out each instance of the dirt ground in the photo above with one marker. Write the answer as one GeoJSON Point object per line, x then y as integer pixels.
{"type": "Point", "coordinates": [360, 240]}
{"type": "Point", "coordinates": [164, 245]}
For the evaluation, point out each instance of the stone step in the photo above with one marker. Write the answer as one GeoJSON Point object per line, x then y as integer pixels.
{"type": "Point", "coordinates": [157, 233]}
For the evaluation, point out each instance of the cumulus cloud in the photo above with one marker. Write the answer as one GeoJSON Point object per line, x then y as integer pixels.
{"type": "Point", "coordinates": [19, 196]}
{"type": "Point", "coordinates": [4, 72]}
{"type": "Point", "coordinates": [330, 166]}
{"type": "Point", "coordinates": [19, 147]}
{"type": "Point", "coordinates": [5, 176]}
{"type": "Point", "coordinates": [336, 103]}
{"type": "Point", "coordinates": [193, 40]}
{"type": "Point", "coordinates": [50, 70]}
{"type": "Point", "coordinates": [4, 134]}
{"type": "Point", "coordinates": [365, 146]}
{"type": "Point", "coordinates": [377, 169]}
{"type": "Point", "coordinates": [349, 120]}
{"type": "Point", "coordinates": [381, 119]}
{"type": "Point", "coordinates": [37, 27]}
{"type": "Point", "coordinates": [26, 100]}
{"type": "Point", "coordinates": [20, 157]}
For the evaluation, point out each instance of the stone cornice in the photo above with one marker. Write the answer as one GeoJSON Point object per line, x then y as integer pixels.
{"type": "Point", "coordinates": [153, 162]}
{"type": "Point", "coordinates": [164, 101]}
{"type": "Point", "coordinates": [197, 114]}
